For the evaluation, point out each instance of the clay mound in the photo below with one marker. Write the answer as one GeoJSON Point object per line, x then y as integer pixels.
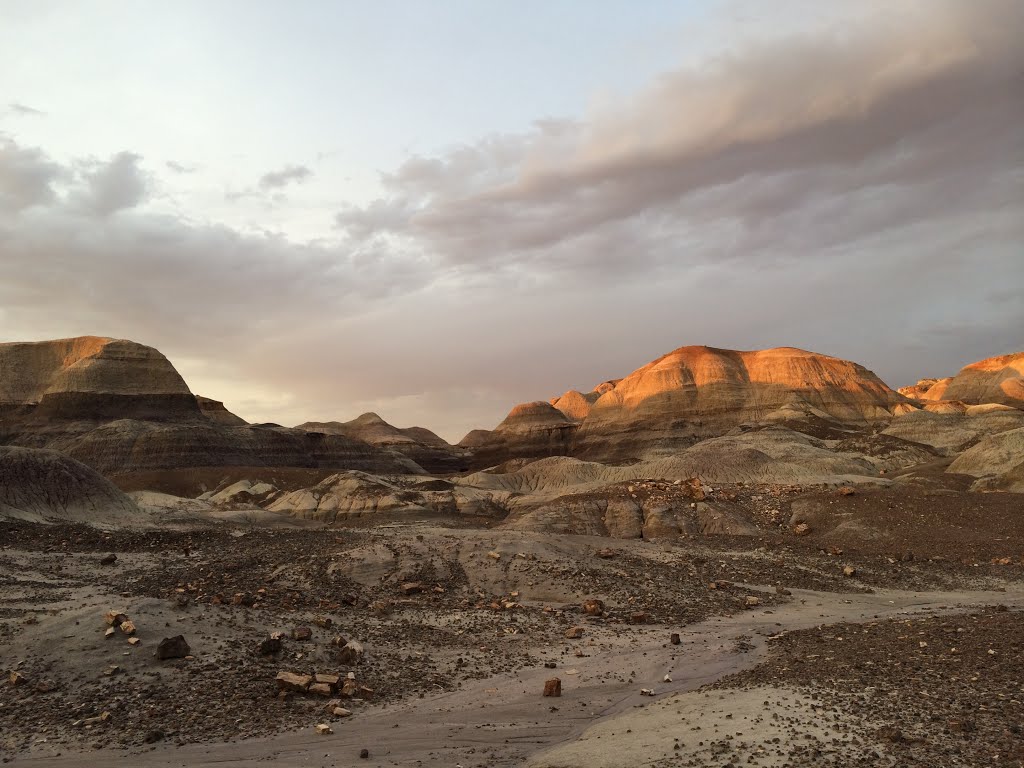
{"type": "Point", "coordinates": [419, 444]}
{"type": "Point", "coordinates": [44, 485]}
{"type": "Point", "coordinates": [476, 438]}
{"type": "Point", "coordinates": [697, 392]}
{"type": "Point", "coordinates": [998, 460]}
{"type": "Point", "coordinates": [92, 377]}
{"type": "Point", "coordinates": [945, 406]}
{"type": "Point", "coordinates": [575, 405]}
{"type": "Point", "coordinates": [995, 380]}
{"type": "Point", "coordinates": [215, 411]}
{"type": "Point", "coordinates": [771, 455]}
{"type": "Point", "coordinates": [349, 495]}
{"type": "Point", "coordinates": [951, 431]}
{"type": "Point", "coordinates": [920, 390]}
{"type": "Point", "coordinates": [530, 430]}
{"type": "Point", "coordinates": [120, 449]}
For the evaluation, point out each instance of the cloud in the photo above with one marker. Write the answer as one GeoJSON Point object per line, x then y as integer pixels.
{"type": "Point", "coordinates": [177, 167]}
{"type": "Point", "coordinates": [27, 177]}
{"type": "Point", "coordinates": [292, 174]}
{"type": "Point", "coordinates": [115, 185]}
{"type": "Point", "coordinates": [24, 110]}
{"type": "Point", "coordinates": [857, 194]}
{"type": "Point", "coordinates": [890, 111]}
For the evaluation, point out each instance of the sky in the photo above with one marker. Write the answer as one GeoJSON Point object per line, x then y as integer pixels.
{"type": "Point", "coordinates": [437, 210]}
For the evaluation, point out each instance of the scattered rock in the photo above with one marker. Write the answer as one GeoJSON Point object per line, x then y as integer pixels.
{"type": "Point", "coordinates": [173, 648]}
{"type": "Point", "coordinates": [302, 634]}
{"type": "Point", "coordinates": [593, 607]}
{"type": "Point", "coordinates": [351, 654]}
{"type": "Point", "coordinates": [16, 678]}
{"type": "Point", "coordinates": [674, 638]}
{"type": "Point", "coordinates": [108, 559]}
{"type": "Point", "coordinates": [574, 633]}
{"type": "Point", "coordinates": [270, 645]}
{"type": "Point", "coordinates": [846, 491]}
{"type": "Point", "coordinates": [411, 588]}
{"type": "Point", "coordinates": [324, 729]}
{"type": "Point", "coordinates": [127, 627]}
{"type": "Point", "coordinates": [750, 601]}
{"type": "Point", "coordinates": [553, 687]}
{"type": "Point", "coordinates": [291, 681]}
{"type": "Point", "coordinates": [849, 571]}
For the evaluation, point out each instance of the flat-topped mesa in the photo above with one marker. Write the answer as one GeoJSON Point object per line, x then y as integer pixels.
{"type": "Point", "coordinates": [993, 380]}
{"type": "Point", "coordinates": [697, 392]}
{"type": "Point", "coordinates": [93, 378]}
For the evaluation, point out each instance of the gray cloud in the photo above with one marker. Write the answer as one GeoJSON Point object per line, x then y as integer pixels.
{"type": "Point", "coordinates": [27, 177]}
{"type": "Point", "coordinates": [858, 195]}
{"type": "Point", "coordinates": [292, 174]}
{"type": "Point", "coordinates": [177, 167]}
{"type": "Point", "coordinates": [115, 185]}
{"type": "Point", "coordinates": [24, 110]}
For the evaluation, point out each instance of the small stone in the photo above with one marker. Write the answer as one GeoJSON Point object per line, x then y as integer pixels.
{"type": "Point", "coordinates": [351, 654]}
{"type": "Point", "coordinates": [302, 634]}
{"type": "Point", "coordinates": [849, 571]}
{"type": "Point", "coordinates": [133, 641]}
{"type": "Point", "coordinates": [16, 678]}
{"type": "Point", "coordinates": [127, 627]}
{"type": "Point", "coordinates": [341, 712]}
{"type": "Point", "coordinates": [324, 622]}
{"type": "Point", "coordinates": [152, 737]}
{"type": "Point", "coordinates": [801, 529]}
{"type": "Point", "coordinates": [109, 632]}
{"type": "Point", "coordinates": [638, 618]}
{"type": "Point", "coordinates": [173, 648]}
{"type": "Point", "coordinates": [115, 618]}
{"type": "Point", "coordinates": [553, 687]}
{"type": "Point", "coordinates": [108, 559]}
{"type": "Point", "coordinates": [593, 607]}
{"type": "Point", "coordinates": [846, 491]}
{"type": "Point", "coordinates": [646, 691]}
{"type": "Point", "coordinates": [574, 633]}
{"type": "Point", "coordinates": [750, 601]}
{"type": "Point", "coordinates": [780, 590]}
{"type": "Point", "coordinates": [270, 645]}
{"type": "Point", "coordinates": [411, 588]}
{"type": "Point", "coordinates": [674, 638]}
{"type": "Point", "coordinates": [494, 555]}
{"type": "Point", "coordinates": [324, 729]}
{"type": "Point", "coordinates": [364, 754]}
{"type": "Point", "coordinates": [291, 681]}
{"type": "Point", "coordinates": [320, 689]}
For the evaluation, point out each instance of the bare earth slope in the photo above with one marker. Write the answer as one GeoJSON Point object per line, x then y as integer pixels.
{"type": "Point", "coordinates": [45, 485]}
{"type": "Point", "coordinates": [419, 444]}
{"type": "Point", "coordinates": [121, 408]}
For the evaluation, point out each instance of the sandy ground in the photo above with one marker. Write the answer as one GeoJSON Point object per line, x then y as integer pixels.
{"type": "Point", "coordinates": [601, 716]}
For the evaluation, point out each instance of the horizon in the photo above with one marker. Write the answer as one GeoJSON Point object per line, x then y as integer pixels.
{"type": "Point", "coordinates": [331, 214]}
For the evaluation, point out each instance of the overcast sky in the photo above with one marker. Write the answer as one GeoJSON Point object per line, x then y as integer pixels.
{"type": "Point", "coordinates": [437, 210]}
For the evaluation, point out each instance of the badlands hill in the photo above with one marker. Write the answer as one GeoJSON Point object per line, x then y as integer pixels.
{"type": "Point", "coordinates": [93, 377]}
{"type": "Point", "coordinates": [994, 380]}
{"type": "Point", "coordinates": [43, 485]}
{"type": "Point", "coordinates": [420, 445]}
{"type": "Point", "coordinates": [121, 408]}
{"type": "Point", "coordinates": [688, 395]}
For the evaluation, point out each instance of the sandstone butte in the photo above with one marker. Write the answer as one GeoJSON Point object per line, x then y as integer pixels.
{"type": "Point", "coordinates": [121, 408]}
{"type": "Point", "coordinates": [689, 394]}
{"type": "Point", "coordinates": [994, 380]}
